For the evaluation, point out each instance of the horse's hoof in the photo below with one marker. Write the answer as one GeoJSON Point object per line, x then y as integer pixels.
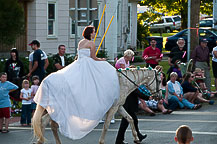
{"type": "Point", "coordinates": [137, 141]}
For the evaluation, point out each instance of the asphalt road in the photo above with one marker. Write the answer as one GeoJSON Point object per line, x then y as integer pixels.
{"type": "Point", "coordinates": [160, 129]}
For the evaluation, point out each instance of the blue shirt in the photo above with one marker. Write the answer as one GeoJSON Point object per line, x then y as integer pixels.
{"type": "Point", "coordinates": [4, 93]}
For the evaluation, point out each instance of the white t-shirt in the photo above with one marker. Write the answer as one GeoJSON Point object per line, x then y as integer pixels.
{"type": "Point", "coordinates": [213, 56]}
{"type": "Point", "coordinates": [62, 60]}
{"type": "Point", "coordinates": [26, 94]}
{"type": "Point", "coordinates": [176, 87]}
{"type": "Point", "coordinates": [31, 56]}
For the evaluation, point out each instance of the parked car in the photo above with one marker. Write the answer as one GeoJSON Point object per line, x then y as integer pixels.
{"type": "Point", "coordinates": [166, 24]}
{"type": "Point", "coordinates": [177, 20]}
{"type": "Point", "coordinates": [206, 23]}
{"type": "Point", "coordinates": [210, 35]}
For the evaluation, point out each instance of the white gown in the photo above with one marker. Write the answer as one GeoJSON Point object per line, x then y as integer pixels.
{"type": "Point", "coordinates": [79, 95]}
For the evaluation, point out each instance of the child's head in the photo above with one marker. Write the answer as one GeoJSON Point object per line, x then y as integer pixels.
{"type": "Point", "coordinates": [198, 71]}
{"type": "Point", "coordinates": [183, 135]}
{"type": "Point", "coordinates": [35, 80]}
{"type": "Point", "coordinates": [3, 77]}
{"type": "Point", "coordinates": [25, 84]}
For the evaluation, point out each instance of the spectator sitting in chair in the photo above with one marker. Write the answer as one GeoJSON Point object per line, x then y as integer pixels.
{"type": "Point", "coordinates": [190, 92]}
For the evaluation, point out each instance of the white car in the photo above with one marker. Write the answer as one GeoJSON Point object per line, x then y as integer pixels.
{"type": "Point", "coordinates": [166, 24]}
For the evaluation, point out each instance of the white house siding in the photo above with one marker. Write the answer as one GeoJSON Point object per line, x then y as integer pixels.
{"type": "Point", "coordinates": [37, 25]}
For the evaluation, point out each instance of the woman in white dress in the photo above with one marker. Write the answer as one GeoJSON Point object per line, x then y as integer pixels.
{"type": "Point", "coordinates": [78, 96]}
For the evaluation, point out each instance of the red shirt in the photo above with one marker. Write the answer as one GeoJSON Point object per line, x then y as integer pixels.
{"type": "Point", "coordinates": [149, 52]}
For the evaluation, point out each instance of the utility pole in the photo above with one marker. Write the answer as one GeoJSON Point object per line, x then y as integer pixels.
{"type": "Point", "coordinates": [214, 14]}
{"type": "Point", "coordinates": [193, 25]}
{"type": "Point", "coordinates": [88, 12]}
{"type": "Point", "coordinates": [76, 26]}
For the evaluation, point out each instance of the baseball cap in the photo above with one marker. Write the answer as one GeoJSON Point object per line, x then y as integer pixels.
{"type": "Point", "coordinates": [204, 40]}
{"type": "Point", "coordinates": [35, 42]}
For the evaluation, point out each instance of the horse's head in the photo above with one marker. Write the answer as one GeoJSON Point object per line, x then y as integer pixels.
{"type": "Point", "coordinates": [152, 81]}
{"type": "Point", "coordinates": [131, 78]}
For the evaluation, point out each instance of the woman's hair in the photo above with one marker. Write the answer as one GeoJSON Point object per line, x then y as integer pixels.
{"type": "Point", "coordinates": [164, 81]}
{"type": "Point", "coordinates": [187, 76]}
{"type": "Point", "coordinates": [184, 134]}
{"type": "Point", "coordinates": [128, 53]}
{"type": "Point", "coordinates": [25, 81]}
{"type": "Point", "coordinates": [173, 74]}
{"type": "Point", "coordinates": [87, 31]}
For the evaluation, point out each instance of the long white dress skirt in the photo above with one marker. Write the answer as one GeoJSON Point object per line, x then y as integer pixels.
{"type": "Point", "coordinates": [79, 95]}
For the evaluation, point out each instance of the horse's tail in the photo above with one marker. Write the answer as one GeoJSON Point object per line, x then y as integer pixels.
{"type": "Point", "coordinates": [36, 123]}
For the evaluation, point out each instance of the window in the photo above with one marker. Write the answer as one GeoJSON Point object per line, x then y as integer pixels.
{"type": "Point", "coordinates": [169, 20]}
{"type": "Point", "coordinates": [51, 18]}
{"type": "Point", "coordinates": [72, 26]}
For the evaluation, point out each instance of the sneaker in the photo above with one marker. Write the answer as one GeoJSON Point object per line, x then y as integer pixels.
{"type": "Point", "coordinates": [211, 102]}
{"type": "Point", "coordinates": [112, 121]}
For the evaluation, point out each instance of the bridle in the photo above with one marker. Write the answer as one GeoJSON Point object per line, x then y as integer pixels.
{"type": "Point", "coordinates": [148, 85]}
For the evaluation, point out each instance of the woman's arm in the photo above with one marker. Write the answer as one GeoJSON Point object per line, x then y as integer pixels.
{"type": "Point", "coordinates": [93, 52]}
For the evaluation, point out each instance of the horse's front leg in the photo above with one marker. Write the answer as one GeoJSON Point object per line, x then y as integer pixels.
{"type": "Point", "coordinates": [124, 113]}
{"type": "Point", "coordinates": [54, 128]}
{"type": "Point", "coordinates": [109, 116]}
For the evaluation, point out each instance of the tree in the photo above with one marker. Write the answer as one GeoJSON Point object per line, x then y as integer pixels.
{"type": "Point", "coordinates": [11, 21]}
{"type": "Point", "coordinates": [180, 7]}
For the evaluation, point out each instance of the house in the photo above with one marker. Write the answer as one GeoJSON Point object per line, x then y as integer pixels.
{"type": "Point", "coordinates": [53, 22]}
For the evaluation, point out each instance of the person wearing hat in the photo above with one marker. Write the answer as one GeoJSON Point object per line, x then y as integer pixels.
{"type": "Point", "coordinates": [152, 54]}
{"type": "Point", "coordinates": [38, 61]}
{"type": "Point", "coordinates": [200, 56]}
{"type": "Point", "coordinates": [15, 71]}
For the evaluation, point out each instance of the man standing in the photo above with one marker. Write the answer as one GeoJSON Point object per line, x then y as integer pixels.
{"type": "Point", "coordinates": [31, 60]}
{"type": "Point", "coordinates": [38, 61]}
{"type": "Point", "coordinates": [200, 56]}
{"type": "Point", "coordinates": [60, 60]}
{"type": "Point", "coordinates": [178, 53]}
{"type": "Point", "coordinates": [131, 106]}
{"type": "Point", "coordinates": [152, 54]}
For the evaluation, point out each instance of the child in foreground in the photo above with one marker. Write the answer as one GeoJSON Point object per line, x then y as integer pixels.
{"type": "Point", "coordinates": [184, 135]}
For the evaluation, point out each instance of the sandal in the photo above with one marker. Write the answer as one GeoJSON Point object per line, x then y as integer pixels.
{"type": "Point", "coordinates": [169, 111]}
{"type": "Point", "coordinates": [197, 106]}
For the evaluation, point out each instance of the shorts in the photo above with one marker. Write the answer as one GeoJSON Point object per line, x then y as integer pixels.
{"type": "Point", "coordinates": [214, 69]}
{"type": "Point", "coordinates": [152, 104]}
{"type": "Point", "coordinates": [5, 112]}
{"type": "Point", "coordinates": [33, 106]}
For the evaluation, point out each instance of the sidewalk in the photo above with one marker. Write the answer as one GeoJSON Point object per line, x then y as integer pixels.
{"type": "Point", "coordinates": [14, 121]}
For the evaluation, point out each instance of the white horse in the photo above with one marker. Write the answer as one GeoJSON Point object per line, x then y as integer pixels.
{"type": "Point", "coordinates": [129, 80]}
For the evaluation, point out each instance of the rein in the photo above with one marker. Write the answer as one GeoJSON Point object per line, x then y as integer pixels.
{"type": "Point", "coordinates": [145, 85]}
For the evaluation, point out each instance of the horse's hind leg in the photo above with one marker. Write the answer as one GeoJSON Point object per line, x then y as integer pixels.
{"type": "Point", "coordinates": [54, 127]}
{"type": "Point", "coordinates": [45, 120]}
{"type": "Point", "coordinates": [124, 113]}
{"type": "Point", "coordinates": [109, 116]}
